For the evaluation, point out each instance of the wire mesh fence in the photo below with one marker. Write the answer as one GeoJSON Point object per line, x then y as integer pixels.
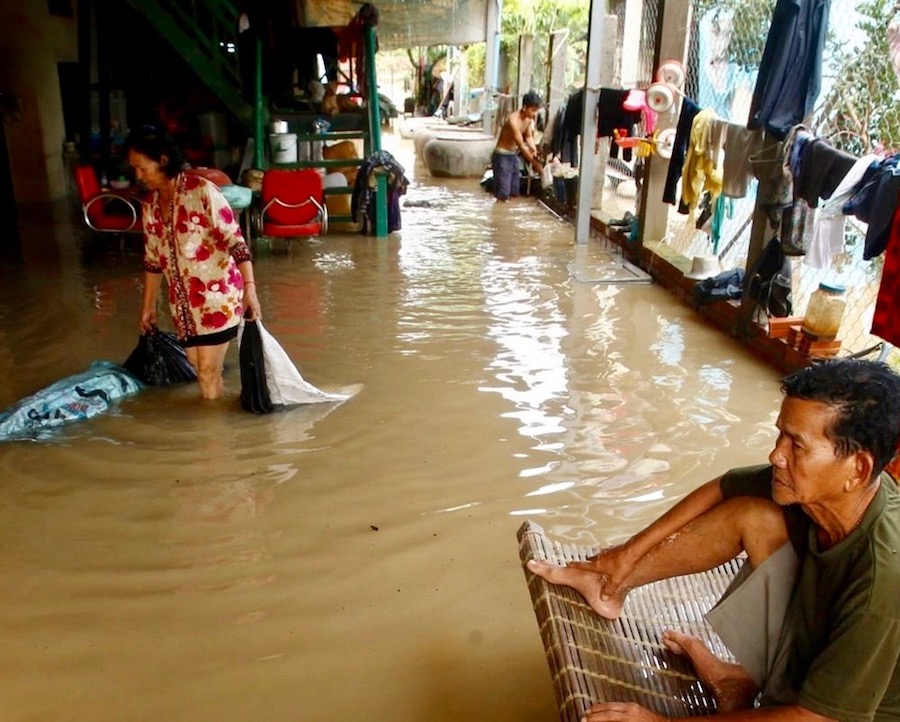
{"type": "Point", "coordinates": [857, 112]}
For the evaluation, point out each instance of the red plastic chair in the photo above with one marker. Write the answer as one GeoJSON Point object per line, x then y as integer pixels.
{"type": "Point", "coordinates": [293, 204]}
{"type": "Point", "coordinates": [106, 211]}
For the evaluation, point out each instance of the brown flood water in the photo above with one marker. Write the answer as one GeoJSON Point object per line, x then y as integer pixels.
{"type": "Point", "coordinates": [176, 560]}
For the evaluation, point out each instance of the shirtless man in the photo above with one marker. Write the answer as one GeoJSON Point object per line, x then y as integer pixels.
{"type": "Point", "coordinates": [517, 136]}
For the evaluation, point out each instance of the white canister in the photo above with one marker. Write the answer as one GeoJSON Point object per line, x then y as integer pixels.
{"type": "Point", "coordinates": [279, 126]}
{"type": "Point", "coordinates": [283, 147]}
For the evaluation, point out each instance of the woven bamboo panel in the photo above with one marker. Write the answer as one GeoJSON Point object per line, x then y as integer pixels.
{"type": "Point", "coordinates": [594, 660]}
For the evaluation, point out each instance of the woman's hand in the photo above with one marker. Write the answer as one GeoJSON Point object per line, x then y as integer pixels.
{"type": "Point", "coordinates": [148, 320]}
{"type": "Point", "coordinates": [252, 310]}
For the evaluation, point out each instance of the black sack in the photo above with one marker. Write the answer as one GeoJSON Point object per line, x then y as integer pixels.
{"type": "Point", "coordinates": [769, 281]}
{"type": "Point", "coordinates": [254, 391]}
{"type": "Point", "coordinates": [159, 360]}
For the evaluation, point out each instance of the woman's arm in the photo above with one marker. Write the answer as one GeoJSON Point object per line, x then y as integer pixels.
{"type": "Point", "coordinates": [250, 299]}
{"type": "Point", "coordinates": [148, 304]}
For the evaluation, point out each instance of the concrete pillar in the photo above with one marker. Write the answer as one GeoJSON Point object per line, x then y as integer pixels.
{"type": "Point", "coordinates": [631, 42]}
{"type": "Point", "coordinates": [556, 83]}
{"type": "Point", "coordinates": [596, 38]}
{"type": "Point", "coordinates": [608, 72]}
{"type": "Point", "coordinates": [526, 65]}
{"type": "Point", "coordinates": [491, 62]}
{"type": "Point", "coordinates": [461, 98]}
{"type": "Point", "coordinates": [672, 36]}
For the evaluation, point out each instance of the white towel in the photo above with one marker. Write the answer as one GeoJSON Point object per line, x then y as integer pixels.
{"type": "Point", "coordinates": [828, 233]}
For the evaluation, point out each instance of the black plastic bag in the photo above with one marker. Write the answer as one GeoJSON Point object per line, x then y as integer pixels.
{"type": "Point", "coordinates": [254, 391]}
{"type": "Point", "coordinates": [159, 360]}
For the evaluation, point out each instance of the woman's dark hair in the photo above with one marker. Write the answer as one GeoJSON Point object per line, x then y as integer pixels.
{"type": "Point", "coordinates": [158, 146]}
{"type": "Point", "coordinates": [866, 396]}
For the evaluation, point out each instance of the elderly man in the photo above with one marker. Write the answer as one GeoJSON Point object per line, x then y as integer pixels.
{"type": "Point", "coordinates": [813, 618]}
{"type": "Point", "coordinates": [516, 136]}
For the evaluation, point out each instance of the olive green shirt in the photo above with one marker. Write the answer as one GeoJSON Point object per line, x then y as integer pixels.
{"type": "Point", "coordinates": [843, 619]}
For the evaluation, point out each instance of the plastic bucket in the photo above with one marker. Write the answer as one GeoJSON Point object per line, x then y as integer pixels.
{"type": "Point", "coordinates": [283, 147]}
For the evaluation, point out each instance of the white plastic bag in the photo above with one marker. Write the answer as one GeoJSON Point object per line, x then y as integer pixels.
{"type": "Point", "coordinates": [546, 176]}
{"type": "Point", "coordinates": [286, 386]}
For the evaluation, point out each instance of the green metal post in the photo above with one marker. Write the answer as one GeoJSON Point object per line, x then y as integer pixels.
{"type": "Point", "coordinates": [381, 209]}
{"type": "Point", "coordinates": [381, 188]}
{"type": "Point", "coordinates": [259, 110]}
{"type": "Point", "coordinates": [372, 82]}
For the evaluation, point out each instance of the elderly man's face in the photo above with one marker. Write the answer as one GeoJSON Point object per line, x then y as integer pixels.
{"type": "Point", "coordinates": [807, 469]}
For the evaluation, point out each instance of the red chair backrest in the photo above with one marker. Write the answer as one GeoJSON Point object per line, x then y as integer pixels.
{"type": "Point", "coordinates": [292, 186]}
{"type": "Point", "coordinates": [112, 215]}
{"type": "Point", "coordinates": [214, 175]}
{"type": "Point", "coordinates": [87, 183]}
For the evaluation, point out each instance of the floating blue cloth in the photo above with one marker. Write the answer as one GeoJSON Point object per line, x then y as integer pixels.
{"type": "Point", "coordinates": [73, 398]}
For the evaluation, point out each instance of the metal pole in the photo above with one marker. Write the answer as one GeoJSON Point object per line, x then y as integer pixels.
{"type": "Point", "coordinates": [589, 122]}
{"type": "Point", "coordinates": [372, 82]}
{"type": "Point", "coordinates": [491, 63]}
{"type": "Point", "coordinates": [259, 110]}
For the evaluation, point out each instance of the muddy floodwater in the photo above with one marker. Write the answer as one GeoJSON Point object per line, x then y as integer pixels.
{"type": "Point", "coordinates": [179, 560]}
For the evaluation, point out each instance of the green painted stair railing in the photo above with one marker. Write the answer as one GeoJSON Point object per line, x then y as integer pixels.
{"type": "Point", "coordinates": [204, 33]}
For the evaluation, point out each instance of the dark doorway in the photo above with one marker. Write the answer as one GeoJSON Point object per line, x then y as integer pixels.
{"type": "Point", "coordinates": [72, 94]}
{"type": "Point", "coordinates": [9, 214]}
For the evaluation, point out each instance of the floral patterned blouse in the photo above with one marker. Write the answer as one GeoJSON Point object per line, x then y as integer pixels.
{"type": "Point", "coordinates": [198, 250]}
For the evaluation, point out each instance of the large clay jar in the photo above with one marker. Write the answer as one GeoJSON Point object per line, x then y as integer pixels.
{"type": "Point", "coordinates": [458, 155]}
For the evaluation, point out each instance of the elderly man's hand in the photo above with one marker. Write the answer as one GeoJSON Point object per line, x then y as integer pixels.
{"type": "Point", "coordinates": [615, 564]}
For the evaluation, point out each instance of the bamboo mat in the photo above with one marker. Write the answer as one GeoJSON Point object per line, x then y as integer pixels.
{"type": "Point", "coordinates": [593, 659]}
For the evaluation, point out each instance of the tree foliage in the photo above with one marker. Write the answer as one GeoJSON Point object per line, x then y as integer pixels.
{"type": "Point", "coordinates": [750, 22]}
{"type": "Point", "coordinates": [860, 111]}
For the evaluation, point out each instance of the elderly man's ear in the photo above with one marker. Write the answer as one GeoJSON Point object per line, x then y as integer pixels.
{"type": "Point", "coordinates": [861, 475]}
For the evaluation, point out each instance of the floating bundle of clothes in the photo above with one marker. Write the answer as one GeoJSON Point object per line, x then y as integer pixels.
{"type": "Point", "coordinates": [74, 398]}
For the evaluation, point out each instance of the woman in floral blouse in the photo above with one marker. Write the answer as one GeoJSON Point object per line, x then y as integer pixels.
{"type": "Point", "coordinates": [193, 239]}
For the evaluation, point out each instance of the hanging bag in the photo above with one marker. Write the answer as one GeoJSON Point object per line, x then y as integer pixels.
{"type": "Point", "coordinates": [769, 281]}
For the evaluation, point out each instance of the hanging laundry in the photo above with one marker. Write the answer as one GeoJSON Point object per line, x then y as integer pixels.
{"type": "Point", "coordinates": [702, 164]}
{"type": "Point", "coordinates": [875, 201]}
{"type": "Point", "coordinates": [613, 116]}
{"type": "Point", "coordinates": [822, 168]}
{"type": "Point", "coordinates": [828, 230]}
{"type": "Point", "coordinates": [363, 199]}
{"type": "Point", "coordinates": [689, 111]}
{"type": "Point", "coordinates": [886, 321]}
{"type": "Point", "coordinates": [567, 128]}
{"type": "Point", "coordinates": [790, 218]}
{"type": "Point", "coordinates": [738, 145]}
{"type": "Point", "coordinates": [790, 72]}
